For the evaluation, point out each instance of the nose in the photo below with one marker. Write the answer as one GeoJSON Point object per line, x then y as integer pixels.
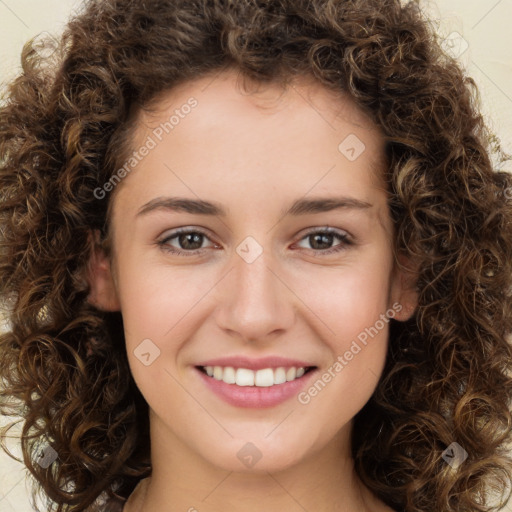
{"type": "Point", "coordinates": [256, 303]}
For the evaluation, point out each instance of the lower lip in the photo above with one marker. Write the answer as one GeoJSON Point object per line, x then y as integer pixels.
{"type": "Point", "coordinates": [254, 396]}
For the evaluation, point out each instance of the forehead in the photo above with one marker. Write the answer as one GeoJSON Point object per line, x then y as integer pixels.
{"type": "Point", "coordinates": [263, 139]}
{"type": "Point", "coordinates": [231, 92]}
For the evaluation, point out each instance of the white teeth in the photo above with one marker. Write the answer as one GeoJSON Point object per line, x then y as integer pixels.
{"type": "Point", "coordinates": [244, 377]}
{"type": "Point", "coordinates": [229, 375]}
{"type": "Point", "coordinates": [217, 372]}
{"type": "Point", "coordinates": [265, 377]}
{"type": "Point", "coordinates": [279, 376]}
{"type": "Point", "coordinates": [291, 374]}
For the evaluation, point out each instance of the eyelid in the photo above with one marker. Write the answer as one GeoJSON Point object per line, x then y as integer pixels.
{"type": "Point", "coordinates": [326, 229]}
{"type": "Point", "coordinates": [344, 236]}
{"type": "Point", "coordinates": [171, 234]}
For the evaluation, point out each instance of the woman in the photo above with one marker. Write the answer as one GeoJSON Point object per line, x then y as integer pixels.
{"type": "Point", "coordinates": [182, 339]}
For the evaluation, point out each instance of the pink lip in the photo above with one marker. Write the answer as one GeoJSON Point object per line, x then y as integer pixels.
{"type": "Point", "coordinates": [256, 364]}
{"type": "Point", "coordinates": [253, 396]}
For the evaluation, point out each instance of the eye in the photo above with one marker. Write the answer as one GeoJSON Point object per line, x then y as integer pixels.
{"type": "Point", "coordinates": [321, 240]}
{"type": "Point", "coordinates": [188, 240]}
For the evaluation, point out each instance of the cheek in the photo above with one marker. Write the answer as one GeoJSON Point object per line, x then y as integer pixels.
{"type": "Point", "coordinates": [352, 305]}
{"type": "Point", "coordinates": [154, 301]}
{"type": "Point", "coordinates": [348, 300]}
{"type": "Point", "coordinates": [163, 306]}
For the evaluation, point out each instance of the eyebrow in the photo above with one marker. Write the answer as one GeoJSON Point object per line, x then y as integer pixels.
{"type": "Point", "coordinates": [299, 207]}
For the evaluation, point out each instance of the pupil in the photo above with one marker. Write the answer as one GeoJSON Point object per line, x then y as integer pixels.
{"type": "Point", "coordinates": [319, 237]}
{"type": "Point", "coordinates": [184, 240]}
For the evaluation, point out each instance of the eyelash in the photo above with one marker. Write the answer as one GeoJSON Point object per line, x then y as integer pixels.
{"type": "Point", "coordinates": [343, 237]}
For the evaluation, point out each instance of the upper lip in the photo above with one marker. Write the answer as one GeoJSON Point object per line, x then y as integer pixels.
{"type": "Point", "coordinates": [256, 364]}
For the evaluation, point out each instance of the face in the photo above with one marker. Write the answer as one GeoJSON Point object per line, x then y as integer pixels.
{"type": "Point", "coordinates": [252, 238]}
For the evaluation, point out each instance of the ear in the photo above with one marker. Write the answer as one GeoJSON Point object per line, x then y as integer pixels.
{"type": "Point", "coordinates": [403, 287]}
{"type": "Point", "coordinates": [103, 292]}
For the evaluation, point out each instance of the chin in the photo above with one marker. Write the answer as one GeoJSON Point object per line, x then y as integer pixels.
{"type": "Point", "coordinates": [255, 457]}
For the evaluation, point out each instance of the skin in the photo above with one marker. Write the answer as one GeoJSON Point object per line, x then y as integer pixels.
{"type": "Point", "coordinates": [254, 154]}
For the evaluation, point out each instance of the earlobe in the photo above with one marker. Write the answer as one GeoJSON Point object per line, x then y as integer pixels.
{"type": "Point", "coordinates": [404, 291]}
{"type": "Point", "coordinates": [103, 292]}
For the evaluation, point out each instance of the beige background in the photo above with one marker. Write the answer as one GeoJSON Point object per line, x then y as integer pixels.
{"type": "Point", "coordinates": [484, 26]}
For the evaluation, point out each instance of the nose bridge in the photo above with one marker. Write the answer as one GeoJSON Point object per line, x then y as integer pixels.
{"type": "Point", "coordinates": [257, 302]}
{"type": "Point", "coordinates": [254, 281]}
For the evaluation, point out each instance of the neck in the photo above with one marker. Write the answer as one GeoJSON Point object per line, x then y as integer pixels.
{"type": "Point", "coordinates": [182, 480]}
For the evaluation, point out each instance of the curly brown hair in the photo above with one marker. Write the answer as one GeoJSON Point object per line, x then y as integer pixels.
{"type": "Point", "coordinates": [65, 129]}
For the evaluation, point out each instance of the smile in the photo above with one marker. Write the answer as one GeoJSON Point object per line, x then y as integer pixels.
{"type": "Point", "coordinates": [265, 377]}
